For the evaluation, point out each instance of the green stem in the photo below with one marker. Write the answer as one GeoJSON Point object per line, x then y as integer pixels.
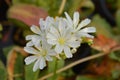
{"type": "Point", "coordinates": [55, 69]}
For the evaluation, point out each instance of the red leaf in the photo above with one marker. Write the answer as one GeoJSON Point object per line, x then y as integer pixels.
{"type": "Point", "coordinates": [29, 14]}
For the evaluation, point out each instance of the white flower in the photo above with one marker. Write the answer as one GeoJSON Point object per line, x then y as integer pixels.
{"type": "Point", "coordinates": [41, 54]}
{"type": "Point", "coordinates": [78, 28]}
{"type": "Point", "coordinates": [60, 36]}
{"type": "Point", "coordinates": [40, 32]}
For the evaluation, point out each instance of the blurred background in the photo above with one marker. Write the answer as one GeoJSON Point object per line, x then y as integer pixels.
{"type": "Point", "coordinates": [16, 17]}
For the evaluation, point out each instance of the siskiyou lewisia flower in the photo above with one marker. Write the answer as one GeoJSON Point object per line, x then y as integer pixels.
{"type": "Point", "coordinates": [60, 36]}
{"type": "Point", "coordinates": [78, 28]}
{"type": "Point", "coordinates": [55, 37]}
{"type": "Point", "coordinates": [40, 54]}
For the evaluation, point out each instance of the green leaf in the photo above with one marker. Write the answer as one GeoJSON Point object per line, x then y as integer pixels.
{"type": "Point", "coordinates": [116, 74]}
{"type": "Point", "coordinates": [115, 55]}
{"type": "Point", "coordinates": [54, 66]}
{"type": "Point", "coordinates": [1, 27]}
{"type": "Point", "coordinates": [86, 8]}
{"type": "Point", "coordinates": [84, 78]}
{"type": "Point", "coordinates": [19, 67]}
{"type": "Point", "coordinates": [6, 50]}
{"type": "Point", "coordinates": [72, 5]}
{"type": "Point", "coordinates": [68, 73]}
{"type": "Point", "coordinates": [118, 18]}
{"type": "Point", "coordinates": [3, 72]}
{"type": "Point", "coordinates": [44, 4]}
{"type": "Point", "coordinates": [29, 74]}
{"type": "Point", "coordinates": [23, 1]}
{"type": "Point", "coordinates": [16, 1]}
{"type": "Point", "coordinates": [102, 27]}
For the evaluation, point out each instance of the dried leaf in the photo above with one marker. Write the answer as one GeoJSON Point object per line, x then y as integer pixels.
{"type": "Point", "coordinates": [15, 63]}
{"type": "Point", "coordinates": [29, 74]}
{"type": "Point", "coordinates": [10, 64]}
{"type": "Point", "coordinates": [3, 71]}
{"type": "Point", "coordinates": [103, 68]}
{"type": "Point", "coordinates": [103, 43]}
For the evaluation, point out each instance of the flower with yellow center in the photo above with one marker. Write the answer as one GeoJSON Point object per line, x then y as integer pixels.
{"type": "Point", "coordinates": [60, 36]}
{"type": "Point", "coordinates": [61, 41]}
{"type": "Point", "coordinates": [41, 54]}
{"type": "Point", "coordinates": [39, 31]}
{"type": "Point", "coordinates": [78, 27]}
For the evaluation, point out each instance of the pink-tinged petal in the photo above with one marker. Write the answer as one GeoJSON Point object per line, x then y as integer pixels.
{"type": "Point", "coordinates": [67, 52]}
{"type": "Point", "coordinates": [30, 59]}
{"type": "Point", "coordinates": [35, 29]}
{"type": "Point", "coordinates": [31, 50]}
{"type": "Point", "coordinates": [42, 63]}
{"type": "Point", "coordinates": [83, 23]}
{"type": "Point", "coordinates": [58, 48]}
{"type": "Point", "coordinates": [88, 30]}
{"type": "Point", "coordinates": [36, 65]}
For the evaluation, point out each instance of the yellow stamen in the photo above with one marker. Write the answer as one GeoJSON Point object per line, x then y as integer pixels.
{"type": "Point", "coordinates": [61, 41]}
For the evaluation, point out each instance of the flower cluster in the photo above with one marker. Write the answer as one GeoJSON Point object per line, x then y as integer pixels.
{"type": "Point", "coordinates": [56, 38]}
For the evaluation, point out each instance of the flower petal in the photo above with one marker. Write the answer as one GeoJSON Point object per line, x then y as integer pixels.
{"type": "Point", "coordinates": [68, 18]}
{"type": "Point", "coordinates": [54, 31]}
{"type": "Point", "coordinates": [30, 43]}
{"type": "Point", "coordinates": [36, 40]}
{"type": "Point", "coordinates": [67, 52]}
{"type": "Point", "coordinates": [42, 63]}
{"type": "Point", "coordinates": [48, 58]}
{"type": "Point", "coordinates": [35, 29]}
{"type": "Point", "coordinates": [53, 42]}
{"type": "Point", "coordinates": [83, 23]}
{"type": "Point", "coordinates": [30, 59]}
{"type": "Point", "coordinates": [29, 37]}
{"type": "Point", "coordinates": [58, 48]}
{"type": "Point", "coordinates": [85, 35]}
{"type": "Point", "coordinates": [52, 52]}
{"type": "Point", "coordinates": [74, 44]}
{"type": "Point", "coordinates": [75, 19]}
{"type": "Point", "coordinates": [41, 23]}
{"type": "Point", "coordinates": [30, 50]}
{"type": "Point", "coordinates": [51, 36]}
{"type": "Point", "coordinates": [88, 30]}
{"type": "Point", "coordinates": [36, 65]}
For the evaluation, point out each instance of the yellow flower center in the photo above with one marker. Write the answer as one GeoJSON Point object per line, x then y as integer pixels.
{"type": "Point", "coordinates": [44, 52]}
{"type": "Point", "coordinates": [61, 41]}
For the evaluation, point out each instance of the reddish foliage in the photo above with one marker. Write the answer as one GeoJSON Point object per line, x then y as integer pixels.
{"type": "Point", "coordinates": [102, 43]}
{"type": "Point", "coordinates": [28, 14]}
